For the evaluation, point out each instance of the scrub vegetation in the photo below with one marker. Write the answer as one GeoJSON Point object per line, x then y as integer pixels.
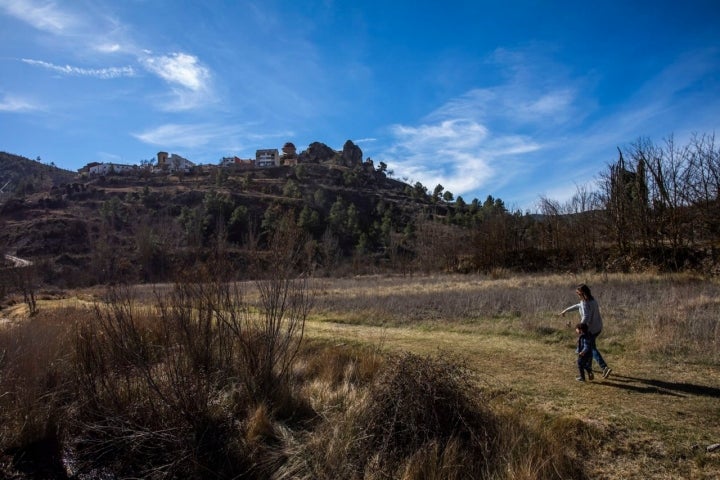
{"type": "Point", "coordinates": [472, 378]}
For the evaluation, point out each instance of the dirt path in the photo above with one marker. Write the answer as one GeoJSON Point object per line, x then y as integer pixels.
{"type": "Point", "coordinates": [659, 414]}
{"type": "Point", "coordinates": [18, 262]}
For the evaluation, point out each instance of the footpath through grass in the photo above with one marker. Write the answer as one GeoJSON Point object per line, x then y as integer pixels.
{"type": "Point", "coordinates": [652, 418]}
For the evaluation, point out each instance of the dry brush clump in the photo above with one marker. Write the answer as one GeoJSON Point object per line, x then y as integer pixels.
{"type": "Point", "coordinates": [146, 395]}
{"type": "Point", "coordinates": [35, 387]}
{"type": "Point", "coordinates": [421, 403]}
{"type": "Point", "coordinates": [170, 390]}
{"type": "Point", "coordinates": [425, 418]}
{"type": "Point", "coordinates": [176, 389]}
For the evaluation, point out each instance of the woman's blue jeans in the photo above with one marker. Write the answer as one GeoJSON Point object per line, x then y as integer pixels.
{"type": "Point", "coordinates": [596, 353]}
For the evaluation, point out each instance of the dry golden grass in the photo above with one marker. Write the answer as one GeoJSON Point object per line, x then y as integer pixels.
{"type": "Point", "coordinates": [651, 419]}
{"type": "Point", "coordinates": [654, 415]}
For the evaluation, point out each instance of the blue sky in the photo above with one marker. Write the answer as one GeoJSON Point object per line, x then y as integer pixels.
{"type": "Point", "coordinates": [515, 99]}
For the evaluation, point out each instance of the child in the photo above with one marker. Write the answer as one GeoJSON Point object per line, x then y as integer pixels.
{"type": "Point", "coordinates": [584, 351]}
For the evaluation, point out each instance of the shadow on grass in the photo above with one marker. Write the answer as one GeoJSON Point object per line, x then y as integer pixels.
{"type": "Point", "coordinates": [649, 385]}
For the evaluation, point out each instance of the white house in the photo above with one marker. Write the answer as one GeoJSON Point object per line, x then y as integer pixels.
{"type": "Point", "coordinates": [110, 168]}
{"type": "Point", "coordinates": [237, 162]}
{"type": "Point", "coordinates": [173, 163]}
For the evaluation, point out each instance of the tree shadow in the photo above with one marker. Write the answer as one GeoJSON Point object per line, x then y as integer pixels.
{"type": "Point", "coordinates": [650, 385]}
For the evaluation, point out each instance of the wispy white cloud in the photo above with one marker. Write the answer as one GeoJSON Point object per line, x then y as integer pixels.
{"type": "Point", "coordinates": [179, 69]}
{"type": "Point", "coordinates": [189, 80]}
{"type": "Point", "coordinates": [186, 136]}
{"type": "Point", "coordinates": [502, 137]}
{"type": "Point", "coordinates": [485, 137]}
{"type": "Point", "coordinates": [104, 73]}
{"type": "Point", "coordinates": [432, 154]}
{"type": "Point", "coordinates": [463, 134]}
{"type": "Point", "coordinates": [108, 48]}
{"type": "Point", "coordinates": [46, 15]}
{"type": "Point", "coordinates": [518, 103]}
{"type": "Point", "coordinates": [15, 104]}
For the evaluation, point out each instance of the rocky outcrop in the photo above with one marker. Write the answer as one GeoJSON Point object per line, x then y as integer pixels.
{"type": "Point", "coordinates": [289, 150]}
{"type": "Point", "coordinates": [351, 154]}
{"type": "Point", "coordinates": [289, 154]}
{"type": "Point", "coordinates": [318, 153]}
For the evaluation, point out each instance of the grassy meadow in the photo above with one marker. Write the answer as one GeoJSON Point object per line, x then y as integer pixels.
{"type": "Point", "coordinates": [432, 377]}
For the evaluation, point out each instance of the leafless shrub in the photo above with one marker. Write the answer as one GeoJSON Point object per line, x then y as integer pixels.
{"type": "Point", "coordinates": [162, 388]}
{"type": "Point", "coordinates": [166, 388]}
{"type": "Point", "coordinates": [425, 418]}
{"type": "Point", "coordinates": [285, 300]}
{"type": "Point", "coordinates": [24, 281]}
{"type": "Point", "coordinates": [141, 405]}
{"type": "Point", "coordinates": [35, 387]}
{"type": "Point", "coordinates": [414, 405]}
{"type": "Point", "coordinates": [420, 400]}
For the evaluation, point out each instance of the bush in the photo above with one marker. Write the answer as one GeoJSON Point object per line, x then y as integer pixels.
{"type": "Point", "coordinates": [424, 418]}
{"type": "Point", "coordinates": [35, 390]}
{"type": "Point", "coordinates": [425, 404]}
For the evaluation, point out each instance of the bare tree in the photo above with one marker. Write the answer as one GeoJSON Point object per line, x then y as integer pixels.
{"type": "Point", "coordinates": [23, 279]}
{"type": "Point", "coordinates": [552, 222]}
{"type": "Point", "coordinates": [704, 159]}
{"type": "Point", "coordinates": [670, 175]}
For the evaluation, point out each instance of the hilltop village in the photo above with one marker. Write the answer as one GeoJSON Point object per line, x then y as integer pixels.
{"type": "Point", "coordinates": [350, 155]}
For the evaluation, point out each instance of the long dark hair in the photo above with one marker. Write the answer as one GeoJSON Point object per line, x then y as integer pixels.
{"type": "Point", "coordinates": [584, 290]}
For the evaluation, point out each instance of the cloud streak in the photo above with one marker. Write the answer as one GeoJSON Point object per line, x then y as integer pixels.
{"type": "Point", "coordinates": [460, 154]}
{"type": "Point", "coordinates": [44, 16]}
{"type": "Point", "coordinates": [102, 73]}
{"type": "Point", "coordinates": [185, 136]}
{"type": "Point", "coordinates": [16, 105]}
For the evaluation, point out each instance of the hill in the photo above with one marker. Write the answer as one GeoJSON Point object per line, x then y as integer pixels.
{"type": "Point", "coordinates": [145, 226]}
{"type": "Point", "coordinates": [346, 214]}
{"type": "Point", "coordinates": [22, 175]}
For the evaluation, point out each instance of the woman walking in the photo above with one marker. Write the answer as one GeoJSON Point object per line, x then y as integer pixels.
{"type": "Point", "coordinates": [590, 315]}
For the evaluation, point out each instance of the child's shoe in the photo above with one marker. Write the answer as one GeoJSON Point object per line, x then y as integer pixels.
{"type": "Point", "coordinates": [591, 376]}
{"type": "Point", "coordinates": [580, 379]}
{"type": "Point", "coordinates": [606, 372]}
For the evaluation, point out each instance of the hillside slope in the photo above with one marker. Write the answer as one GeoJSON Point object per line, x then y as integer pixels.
{"type": "Point", "coordinates": [147, 226]}
{"type": "Point", "coordinates": [23, 175]}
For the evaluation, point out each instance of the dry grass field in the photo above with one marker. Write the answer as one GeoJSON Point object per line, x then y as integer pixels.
{"type": "Point", "coordinates": [652, 418]}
